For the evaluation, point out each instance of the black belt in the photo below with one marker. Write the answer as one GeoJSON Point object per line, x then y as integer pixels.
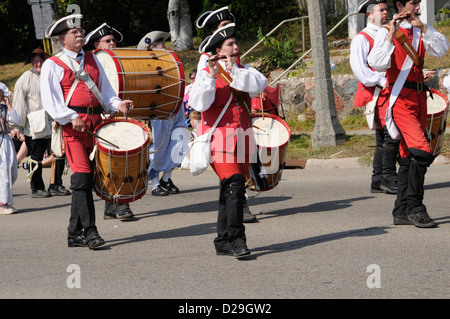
{"type": "Point", "coordinates": [418, 86]}
{"type": "Point", "coordinates": [87, 110]}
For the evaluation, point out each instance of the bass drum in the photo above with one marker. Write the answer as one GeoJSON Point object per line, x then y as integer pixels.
{"type": "Point", "coordinates": [272, 135]}
{"type": "Point", "coordinates": [153, 80]}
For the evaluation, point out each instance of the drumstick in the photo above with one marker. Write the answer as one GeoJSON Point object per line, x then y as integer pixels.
{"type": "Point", "coordinates": [258, 128]}
{"type": "Point", "coordinates": [128, 108]}
{"type": "Point", "coordinates": [101, 138]}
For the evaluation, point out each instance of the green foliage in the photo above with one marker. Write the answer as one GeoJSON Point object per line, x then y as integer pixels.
{"type": "Point", "coordinates": [282, 52]}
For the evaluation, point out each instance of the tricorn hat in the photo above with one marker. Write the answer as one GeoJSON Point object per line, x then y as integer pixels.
{"type": "Point", "coordinates": [367, 5]}
{"type": "Point", "coordinates": [210, 19]}
{"type": "Point", "coordinates": [72, 21]}
{"type": "Point", "coordinates": [152, 37]}
{"type": "Point", "coordinates": [44, 55]}
{"type": "Point", "coordinates": [213, 41]}
{"type": "Point", "coordinates": [101, 31]}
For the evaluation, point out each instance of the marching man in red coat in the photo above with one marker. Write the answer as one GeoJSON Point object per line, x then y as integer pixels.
{"type": "Point", "coordinates": [384, 174]}
{"type": "Point", "coordinates": [406, 114]}
{"type": "Point", "coordinates": [70, 102]}
{"type": "Point", "coordinates": [231, 148]}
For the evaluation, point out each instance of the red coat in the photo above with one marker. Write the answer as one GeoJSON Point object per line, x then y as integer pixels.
{"type": "Point", "coordinates": [235, 119]}
{"type": "Point", "coordinates": [79, 145]}
{"type": "Point", "coordinates": [364, 94]}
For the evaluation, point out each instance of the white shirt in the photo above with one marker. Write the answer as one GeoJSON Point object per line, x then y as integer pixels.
{"type": "Point", "coordinates": [247, 79]}
{"type": "Point", "coordinates": [52, 95]}
{"type": "Point", "coordinates": [359, 50]}
{"type": "Point", "coordinates": [436, 44]}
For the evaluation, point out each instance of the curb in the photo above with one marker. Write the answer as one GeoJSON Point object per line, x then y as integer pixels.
{"type": "Point", "coordinates": [353, 163]}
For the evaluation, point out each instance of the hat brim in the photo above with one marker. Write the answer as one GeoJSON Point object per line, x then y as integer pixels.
{"type": "Point", "coordinates": [64, 24]}
{"type": "Point", "coordinates": [44, 55]}
{"type": "Point", "coordinates": [220, 35]}
{"type": "Point", "coordinates": [102, 31]}
{"type": "Point", "coordinates": [152, 37]}
{"type": "Point", "coordinates": [211, 18]}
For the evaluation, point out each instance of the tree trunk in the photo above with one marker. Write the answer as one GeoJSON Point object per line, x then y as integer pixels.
{"type": "Point", "coordinates": [328, 130]}
{"type": "Point", "coordinates": [179, 18]}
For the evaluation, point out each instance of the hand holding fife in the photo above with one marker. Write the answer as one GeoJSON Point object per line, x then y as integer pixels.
{"type": "Point", "coordinates": [124, 105]}
{"type": "Point", "coordinates": [213, 66]}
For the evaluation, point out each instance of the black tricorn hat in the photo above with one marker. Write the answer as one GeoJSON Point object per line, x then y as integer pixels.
{"type": "Point", "coordinates": [210, 19]}
{"type": "Point", "coordinates": [101, 31]}
{"type": "Point", "coordinates": [213, 41]}
{"type": "Point", "coordinates": [363, 6]}
{"type": "Point", "coordinates": [44, 55]}
{"type": "Point", "coordinates": [72, 21]}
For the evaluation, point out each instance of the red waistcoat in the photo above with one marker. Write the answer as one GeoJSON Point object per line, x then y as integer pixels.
{"type": "Point", "coordinates": [399, 56]}
{"type": "Point", "coordinates": [82, 96]}
{"type": "Point", "coordinates": [364, 94]}
{"type": "Point", "coordinates": [234, 119]}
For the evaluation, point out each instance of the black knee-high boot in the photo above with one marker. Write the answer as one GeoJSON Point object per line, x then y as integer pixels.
{"type": "Point", "coordinates": [221, 242]}
{"type": "Point", "coordinates": [234, 194]}
{"type": "Point", "coordinates": [82, 214]}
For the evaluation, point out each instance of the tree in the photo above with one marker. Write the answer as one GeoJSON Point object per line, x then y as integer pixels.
{"type": "Point", "coordinates": [328, 130]}
{"type": "Point", "coordinates": [179, 17]}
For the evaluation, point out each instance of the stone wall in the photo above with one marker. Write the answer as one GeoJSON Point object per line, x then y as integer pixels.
{"type": "Point", "coordinates": [298, 93]}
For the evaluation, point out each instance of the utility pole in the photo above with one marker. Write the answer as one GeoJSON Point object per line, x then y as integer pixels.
{"type": "Point", "coordinates": [327, 131]}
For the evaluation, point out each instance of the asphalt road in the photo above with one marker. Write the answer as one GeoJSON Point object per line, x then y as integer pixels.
{"type": "Point", "coordinates": [320, 234]}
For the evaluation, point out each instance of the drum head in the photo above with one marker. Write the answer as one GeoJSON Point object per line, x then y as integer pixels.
{"type": "Point", "coordinates": [110, 67]}
{"type": "Point", "coordinates": [126, 135]}
{"type": "Point", "coordinates": [438, 103]}
{"type": "Point", "coordinates": [270, 131]}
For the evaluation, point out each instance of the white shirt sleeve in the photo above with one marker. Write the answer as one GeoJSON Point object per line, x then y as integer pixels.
{"type": "Point", "coordinates": [380, 56]}
{"type": "Point", "coordinates": [203, 91]}
{"type": "Point", "coordinates": [13, 117]}
{"type": "Point", "coordinates": [202, 62]}
{"type": "Point", "coordinates": [52, 95]}
{"type": "Point", "coordinates": [436, 44]}
{"type": "Point", "coordinates": [359, 50]}
{"type": "Point", "coordinates": [248, 79]}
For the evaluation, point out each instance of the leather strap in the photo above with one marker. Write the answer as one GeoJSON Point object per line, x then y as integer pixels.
{"type": "Point", "coordinates": [407, 47]}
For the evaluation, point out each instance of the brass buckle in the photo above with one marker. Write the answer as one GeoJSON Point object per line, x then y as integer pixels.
{"type": "Point", "coordinates": [90, 110]}
{"type": "Point", "coordinates": [419, 86]}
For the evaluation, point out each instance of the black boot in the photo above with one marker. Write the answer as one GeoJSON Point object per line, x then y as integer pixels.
{"type": "Point", "coordinates": [389, 169]}
{"type": "Point", "coordinates": [377, 170]}
{"type": "Point", "coordinates": [221, 242]}
{"type": "Point", "coordinates": [56, 187]}
{"type": "Point", "coordinates": [234, 201]}
{"type": "Point", "coordinates": [82, 215]}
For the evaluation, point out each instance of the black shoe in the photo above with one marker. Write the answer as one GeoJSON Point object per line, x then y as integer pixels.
{"type": "Point", "coordinates": [389, 187]}
{"type": "Point", "coordinates": [58, 190]}
{"type": "Point", "coordinates": [241, 251]}
{"type": "Point", "coordinates": [40, 193]}
{"type": "Point", "coordinates": [95, 242]}
{"type": "Point", "coordinates": [402, 220]}
{"type": "Point", "coordinates": [225, 252]}
{"type": "Point", "coordinates": [169, 186]}
{"type": "Point", "coordinates": [122, 214]}
{"type": "Point", "coordinates": [77, 241]}
{"type": "Point", "coordinates": [422, 220]}
{"type": "Point", "coordinates": [249, 217]}
{"type": "Point", "coordinates": [159, 191]}
{"type": "Point", "coordinates": [375, 187]}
